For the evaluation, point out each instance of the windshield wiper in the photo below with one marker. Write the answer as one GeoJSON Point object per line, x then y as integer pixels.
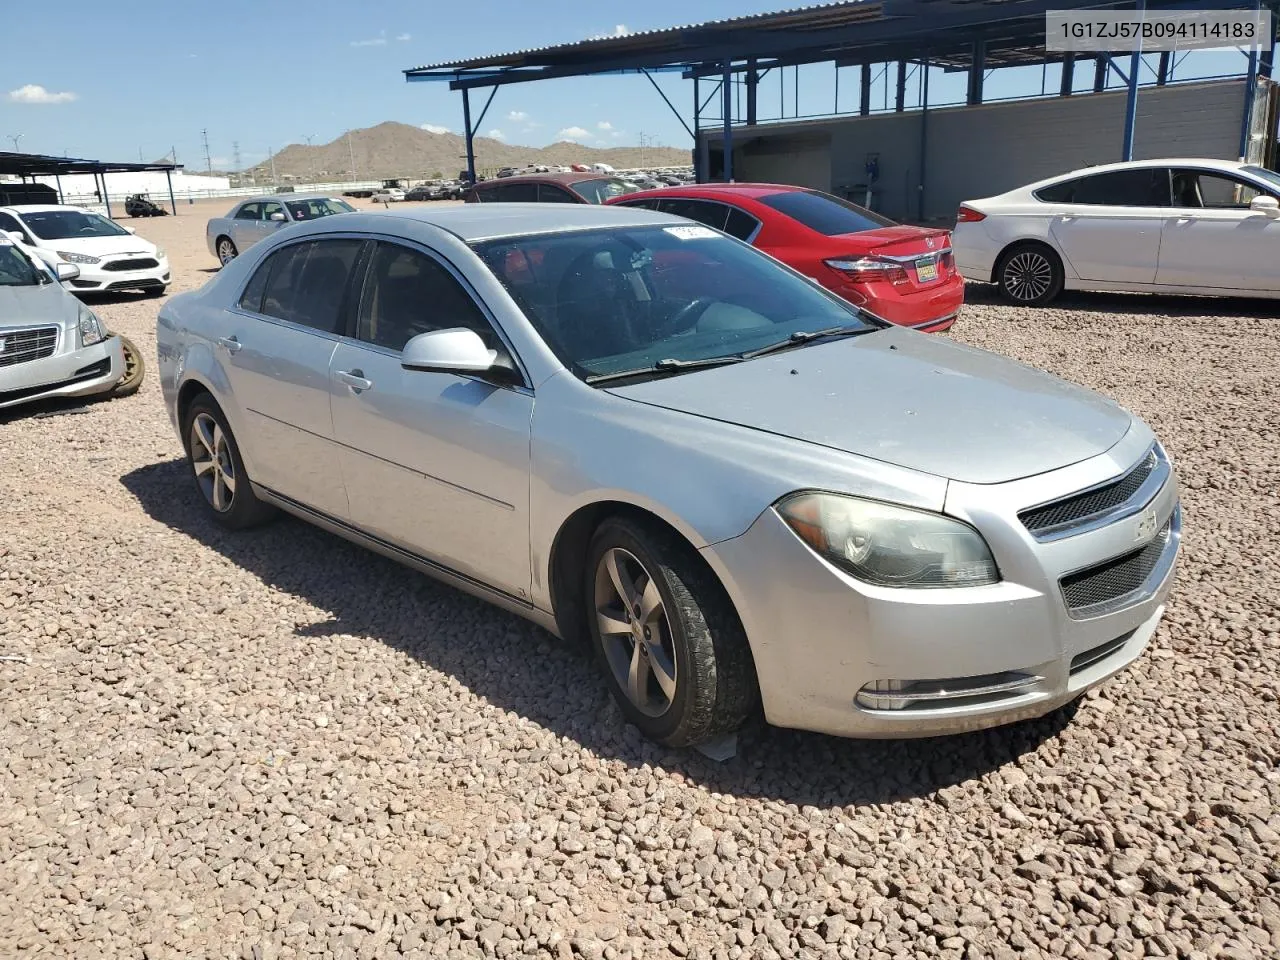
{"type": "Point", "coordinates": [668, 365]}
{"type": "Point", "coordinates": [806, 336]}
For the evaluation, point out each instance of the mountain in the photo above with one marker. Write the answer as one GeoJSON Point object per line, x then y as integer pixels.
{"type": "Point", "coordinates": [400, 150]}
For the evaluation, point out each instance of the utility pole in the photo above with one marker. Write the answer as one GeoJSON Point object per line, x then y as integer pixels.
{"type": "Point", "coordinates": [352, 152]}
{"type": "Point", "coordinates": [140, 160]}
{"type": "Point", "coordinates": [271, 158]}
{"type": "Point", "coordinates": [208, 161]}
{"type": "Point", "coordinates": [311, 160]}
{"type": "Point", "coordinates": [235, 153]}
{"type": "Point", "coordinates": [17, 139]}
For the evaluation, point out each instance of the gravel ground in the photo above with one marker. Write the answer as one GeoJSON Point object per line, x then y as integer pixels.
{"type": "Point", "coordinates": [278, 745]}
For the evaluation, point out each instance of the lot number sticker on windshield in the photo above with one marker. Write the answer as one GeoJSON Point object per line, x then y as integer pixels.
{"type": "Point", "coordinates": [691, 233]}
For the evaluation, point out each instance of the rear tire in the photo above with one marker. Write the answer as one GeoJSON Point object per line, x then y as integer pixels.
{"type": "Point", "coordinates": [135, 370]}
{"type": "Point", "coordinates": [676, 656]}
{"type": "Point", "coordinates": [226, 250]}
{"type": "Point", "coordinates": [1030, 274]}
{"type": "Point", "coordinates": [217, 470]}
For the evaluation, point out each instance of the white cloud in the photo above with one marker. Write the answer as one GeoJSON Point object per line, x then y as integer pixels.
{"type": "Point", "coordinates": [378, 41]}
{"type": "Point", "coordinates": [435, 128]}
{"type": "Point", "coordinates": [34, 93]}
{"type": "Point", "coordinates": [404, 36]}
{"type": "Point", "coordinates": [621, 30]}
{"type": "Point", "coordinates": [517, 116]}
{"type": "Point", "coordinates": [604, 125]}
{"type": "Point", "coordinates": [496, 134]}
{"type": "Point", "coordinates": [574, 133]}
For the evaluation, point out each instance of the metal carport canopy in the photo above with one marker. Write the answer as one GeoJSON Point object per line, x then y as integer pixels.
{"type": "Point", "coordinates": [955, 34]}
{"type": "Point", "coordinates": [42, 165]}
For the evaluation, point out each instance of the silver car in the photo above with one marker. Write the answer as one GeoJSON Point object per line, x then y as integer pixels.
{"type": "Point", "coordinates": [259, 217]}
{"type": "Point", "coordinates": [51, 344]}
{"type": "Point", "coordinates": [637, 431]}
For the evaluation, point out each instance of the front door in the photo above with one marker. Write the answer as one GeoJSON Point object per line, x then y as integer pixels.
{"type": "Point", "coordinates": [278, 348]}
{"type": "Point", "coordinates": [1213, 241]}
{"type": "Point", "coordinates": [435, 463]}
{"type": "Point", "coordinates": [1109, 226]}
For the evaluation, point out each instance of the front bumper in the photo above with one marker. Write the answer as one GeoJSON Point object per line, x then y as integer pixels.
{"type": "Point", "coordinates": [983, 656]}
{"type": "Point", "coordinates": [94, 278]}
{"type": "Point", "coordinates": [76, 373]}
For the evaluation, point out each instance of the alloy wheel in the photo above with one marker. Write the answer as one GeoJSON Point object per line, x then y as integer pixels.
{"type": "Point", "coordinates": [635, 632]}
{"type": "Point", "coordinates": [1028, 275]}
{"type": "Point", "coordinates": [211, 460]}
{"type": "Point", "coordinates": [226, 252]}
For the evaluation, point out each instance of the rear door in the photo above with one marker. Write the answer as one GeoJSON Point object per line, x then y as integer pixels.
{"type": "Point", "coordinates": [1108, 225]}
{"type": "Point", "coordinates": [245, 226]}
{"type": "Point", "coordinates": [1213, 241]}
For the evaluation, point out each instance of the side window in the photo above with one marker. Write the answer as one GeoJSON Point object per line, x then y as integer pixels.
{"type": "Point", "coordinates": [1058, 192]}
{"type": "Point", "coordinates": [517, 193]}
{"type": "Point", "coordinates": [649, 204]}
{"type": "Point", "coordinates": [485, 194]}
{"type": "Point", "coordinates": [712, 214]}
{"type": "Point", "coordinates": [549, 193]}
{"type": "Point", "coordinates": [308, 283]}
{"type": "Point", "coordinates": [251, 299]}
{"type": "Point", "coordinates": [1144, 187]}
{"type": "Point", "coordinates": [10, 223]}
{"type": "Point", "coordinates": [250, 211]}
{"type": "Point", "coordinates": [1197, 188]}
{"type": "Point", "coordinates": [407, 293]}
{"type": "Point", "coordinates": [741, 224]}
{"type": "Point", "coordinates": [271, 207]}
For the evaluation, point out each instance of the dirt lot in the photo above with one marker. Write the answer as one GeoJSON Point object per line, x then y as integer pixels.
{"type": "Point", "coordinates": [278, 745]}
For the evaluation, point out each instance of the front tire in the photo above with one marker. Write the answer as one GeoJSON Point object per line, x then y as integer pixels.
{"type": "Point", "coordinates": [216, 467]}
{"type": "Point", "coordinates": [135, 370]}
{"type": "Point", "coordinates": [672, 647]}
{"type": "Point", "coordinates": [226, 250]}
{"type": "Point", "coordinates": [1030, 274]}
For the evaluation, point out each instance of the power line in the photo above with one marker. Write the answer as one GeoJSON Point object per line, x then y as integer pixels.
{"type": "Point", "coordinates": [235, 153]}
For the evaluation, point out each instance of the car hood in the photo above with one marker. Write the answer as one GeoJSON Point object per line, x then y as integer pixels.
{"type": "Point", "coordinates": [28, 306]}
{"type": "Point", "coordinates": [916, 400]}
{"type": "Point", "coordinates": [102, 246]}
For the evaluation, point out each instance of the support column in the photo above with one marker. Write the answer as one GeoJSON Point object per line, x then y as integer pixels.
{"type": "Point", "coordinates": [1100, 67]}
{"type": "Point", "coordinates": [173, 204]}
{"type": "Point", "coordinates": [699, 170]}
{"type": "Point", "coordinates": [977, 67]}
{"type": "Point", "coordinates": [864, 95]}
{"type": "Point", "coordinates": [1068, 75]}
{"type": "Point", "coordinates": [469, 134]}
{"type": "Point", "coordinates": [728, 123]}
{"type": "Point", "coordinates": [1131, 103]}
{"type": "Point", "coordinates": [900, 100]}
{"type": "Point", "coordinates": [57, 178]}
{"type": "Point", "coordinates": [753, 79]}
{"type": "Point", "coordinates": [924, 133]}
{"type": "Point", "coordinates": [106, 197]}
{"type": "Point", "coordinates": [1162, 72]}
{"type": "Point", "coordinates": [1250, 87]}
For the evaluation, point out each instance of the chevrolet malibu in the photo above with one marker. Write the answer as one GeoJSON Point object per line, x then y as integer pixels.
{"type": "Point", "coordinates": [638, 431]}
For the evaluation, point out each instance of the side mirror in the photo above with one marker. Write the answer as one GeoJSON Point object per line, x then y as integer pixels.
{"type": "Point", "coordinates": [67, 271]}
{"type": "Point", "coordinates": [130, 230]}
{"type": "Point", "coordinates": [457, 350]}
{"type": "Point", "coordinates": [277, 217]}
{"type": "Point", "coordinates": [1263, 203]}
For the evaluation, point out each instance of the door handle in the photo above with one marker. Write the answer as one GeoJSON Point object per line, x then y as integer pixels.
{"type": "Point", "coordinates": [231, 344]}
{"type": "Point", "coordinates": [355, 379]}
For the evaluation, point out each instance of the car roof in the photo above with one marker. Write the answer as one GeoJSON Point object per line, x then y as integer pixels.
{"type": "Point", "coordinates": [577, 177]}
{"type": "Point", "coordinates": [722, 191]}
{"type": "Point", "coordinates": [490, 221]}
{"type": "Point", "coordinates": [43, 208]}
{"type": "Point", "coordinates": [1227, 166]}
{"type": "Point", "coordinates": [286, 197]}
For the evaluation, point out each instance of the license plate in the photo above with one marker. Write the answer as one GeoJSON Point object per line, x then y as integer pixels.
{"type": "Point", "coordinates": [926, 270]}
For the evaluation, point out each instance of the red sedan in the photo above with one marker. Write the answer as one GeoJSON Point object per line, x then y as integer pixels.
{"type": "Point", "coordinates": [902, 274]}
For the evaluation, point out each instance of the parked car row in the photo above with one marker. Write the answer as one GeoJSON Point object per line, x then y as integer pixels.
{"type": "Point", "coordinates": [635, 429]}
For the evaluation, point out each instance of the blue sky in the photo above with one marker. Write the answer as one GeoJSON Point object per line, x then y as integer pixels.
{"type": "Point", "coordinates": [142, 76]}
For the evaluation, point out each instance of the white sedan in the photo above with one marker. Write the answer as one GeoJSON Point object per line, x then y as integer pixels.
{"type": "Point", "coordinates": [1205, 227]}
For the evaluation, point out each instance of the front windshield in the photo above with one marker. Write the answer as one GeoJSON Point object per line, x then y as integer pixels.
{"type": "Point", "coordinates": [598, 191]}
{"type": "Point", "coordinates": [15, 269]}
{"type": "Point", "coordinates": [70, 225]}
{"type": "Point", "coordinates": [314, 209]}
{"type": "Point", "coordinates": [614, 300]}
{"type": "Point", "coordinates": [1262, 173]}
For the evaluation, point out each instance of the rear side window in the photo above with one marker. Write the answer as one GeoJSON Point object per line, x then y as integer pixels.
{"type": "Point", "coordinates": [1116, 188]}
{"type": "Point", "coordinates": [516, 193]}
{"type": "Point", "coordinates": [308, 281]}
{"type": "Point", "coordinates": [251, 299]}
{"type": "Point", "coordinates": [825, 214]}
{"type": "Point", "coordinates": [549, 193]}
{"type": "Point", "coordinates": [703, 211]}
{"type": "Point", "coordinates": [741, 224]}
{"type": "Point", "coordinates": [649, 204]}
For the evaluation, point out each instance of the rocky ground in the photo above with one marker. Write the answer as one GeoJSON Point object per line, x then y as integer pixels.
{"type": "Point", "coordinates": [277, 745]}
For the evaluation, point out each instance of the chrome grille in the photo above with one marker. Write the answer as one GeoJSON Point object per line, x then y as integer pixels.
{"type": "Point", "coordinates": [1080, 508]}
{"type": "Point", "coordinates": [1110, 585]}
{"type": "Point", "coordinates": [19, 346]}
{"type": "Point", "coordinates": [137, 263]}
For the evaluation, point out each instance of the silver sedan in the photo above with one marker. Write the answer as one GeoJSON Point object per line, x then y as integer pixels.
{"type": "Point", "coordinates": [641, 433]}
{"type": "Point", "coordinates": [259, 217]}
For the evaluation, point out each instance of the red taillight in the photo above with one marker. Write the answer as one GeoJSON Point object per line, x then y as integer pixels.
{"type": "Point", "coordinates": [864, 269]}
{"type": "Point", "coordinates": [969, 215]}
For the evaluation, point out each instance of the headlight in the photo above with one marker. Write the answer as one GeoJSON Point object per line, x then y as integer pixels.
{"type": "Point", "coordinates": [77, 257]}
{"type": "Point", "coordinates": [91, 329]}
{"type": "Point", "coordinates": [159, 253]}
{"type": "Point", "coordinates": [890, 546]}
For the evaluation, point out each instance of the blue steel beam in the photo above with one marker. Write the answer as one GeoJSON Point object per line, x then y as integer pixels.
{"type": "Point", "coordinates": [664, 100]}
{"type": "Point", "coordinates": [864, 92]}
{"type": "Point", "coordinates": [976, 68]}
{"type": "Point", "coordinates": [1067, 83]}
{"type": "Point", "coordinates": [1131, 100]}
{"type": "Point", "coordinates": [726, 83]}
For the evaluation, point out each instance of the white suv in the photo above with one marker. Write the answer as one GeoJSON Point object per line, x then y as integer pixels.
{"type": "Point", "coordinates": [108, 255]}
